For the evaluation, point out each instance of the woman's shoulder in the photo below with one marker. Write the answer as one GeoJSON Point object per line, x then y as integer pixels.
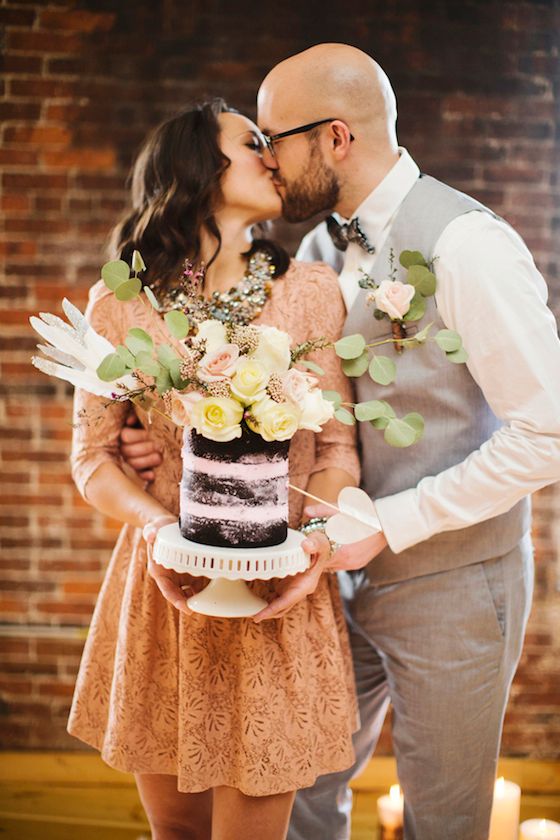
{"type": "Point", "coordinates": [310, 279]}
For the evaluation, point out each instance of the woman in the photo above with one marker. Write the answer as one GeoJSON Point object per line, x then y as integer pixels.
{"type": "Point", "coordinates": [219, 720]}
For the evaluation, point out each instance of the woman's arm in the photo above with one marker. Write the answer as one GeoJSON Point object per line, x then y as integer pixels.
{"type": "Point", "coordinates": [112, 493]}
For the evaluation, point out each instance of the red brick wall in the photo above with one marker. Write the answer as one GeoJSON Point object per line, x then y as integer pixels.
{"type": "Point", "coordinates": [82, 83]}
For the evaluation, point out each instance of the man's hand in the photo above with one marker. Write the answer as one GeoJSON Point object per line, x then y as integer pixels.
{"type": "Point", "coordinates": [294, 588]}
{"type": "Point", "coordinates": [138, 449]}
{"type": "Point", "coordinates": [354, 555]}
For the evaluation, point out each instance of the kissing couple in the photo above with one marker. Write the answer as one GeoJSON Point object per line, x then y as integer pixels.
{"type": "Point", "coordinates": [253, 728]}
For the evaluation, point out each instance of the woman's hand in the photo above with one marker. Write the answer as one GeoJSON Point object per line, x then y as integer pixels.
{"type": "Point", "coordinates": [295, 588]}
{"type": "Point", "coordinates": [176, 587]}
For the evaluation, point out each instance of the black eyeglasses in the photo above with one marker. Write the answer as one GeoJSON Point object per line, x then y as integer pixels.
{"type": "Point", "coordinates": [269, 140]}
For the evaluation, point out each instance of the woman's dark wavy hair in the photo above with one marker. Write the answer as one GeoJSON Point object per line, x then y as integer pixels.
{"type": "Point", "coordinates": [175, 189]}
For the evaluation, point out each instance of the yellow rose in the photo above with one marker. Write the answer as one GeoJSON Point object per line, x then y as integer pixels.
{"type": "Point", "coordinates": [250, 381]}
{"type": "Point", "coordinates": [274, 421]}
{"type": "Point", "coordinates": [217, 418]}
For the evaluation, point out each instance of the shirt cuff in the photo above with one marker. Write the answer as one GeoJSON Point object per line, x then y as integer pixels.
{"type": "Point", "coordinates": [401, 520]}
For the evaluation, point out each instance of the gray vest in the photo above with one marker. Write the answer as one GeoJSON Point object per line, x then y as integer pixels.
{"type": "Point", "coordinates": [458, 418]}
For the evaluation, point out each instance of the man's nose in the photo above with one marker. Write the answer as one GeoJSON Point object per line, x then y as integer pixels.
{"type": "Point", "coordinates": [268, 159]}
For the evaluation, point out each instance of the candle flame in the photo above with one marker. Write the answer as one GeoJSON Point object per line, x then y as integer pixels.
{"type": "Point", "coordinates": [500, 786]}
{"type": "Point", "coordinates": [395, 793]}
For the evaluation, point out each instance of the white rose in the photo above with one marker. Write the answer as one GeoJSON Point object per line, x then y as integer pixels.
{"type": "Point", "coordinates": [297, 384]}
{"type": "Point", "coordinates": [250, 380]}
{"type": "Point", "coordinates": [214, 332]}
{"type": "Point", "coordinates": [181, 406]}
{"type": "Point", "coordinates": [273, 349]}
{"type": "Point", "coordinates": [316, 410]}
{"type": "Point", "coordinates": [217, 418]}
{"type": "Point", "coordinates": [274, 421]}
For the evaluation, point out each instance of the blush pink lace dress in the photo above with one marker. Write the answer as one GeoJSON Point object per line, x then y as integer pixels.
{"type": "Point", "coordinates": [263, 708]}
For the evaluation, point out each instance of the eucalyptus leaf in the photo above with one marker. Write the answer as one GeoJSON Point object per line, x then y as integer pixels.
{"type": "Point", "coordinates": [356, 367]}
{"type": "Point", "coordinates": [371, 410]}
{"type": "Point", "coordinates": [345, 417]}
{"type": "Point", "coordinates": [333, 396]}
{"type": "Point", "coordinates": [177, 323]}
{"type": "Point", "coordinates": [423, 280]}
{"type": "Point", "coordinates": [163, 381]}
{"type": "Point", "coordinates": [350, 347]}
{"type": "Point", "coordinates": [114, 273]}
{"type": "Point", "coordinates": [382, 370]}
{"type": "Point", "coordinates": [408, 258]}
{"type": "Point", "coordinates": [126, 356]}
{"type": "Point", "coordinates": [399, 434]}
{"type": "Point", "coordinates": [129, 289]}
{"type": "Point", "coordinates": [448, 340]}
{"type": "Point", "coordinates": [175, 373]}
{"type": "Point", "coordinates": [417, 308]}
{"type": "Point", "coordinates": [389, 413]}
{"type": "Point", "coordinates": [138, 263]}
{"type": "Point", "coordinates": [416, 421]}
{"type": "Point", "coordinates": [137, 340]}
{"type": "Point", "coordinates": [111, 368]}
{"type": "Point", "coordinates": [422, 335]}
{"type": "Point", "coordinates": [147, 364]}
{"type": "Point", "coordinates": [312, 366]}
{"type": "Point", "coordinates": [152, 298]}
{"type": "Point", "coordinates": [166, 355]}
{"type": "Point", "coordinates": [458, 356]}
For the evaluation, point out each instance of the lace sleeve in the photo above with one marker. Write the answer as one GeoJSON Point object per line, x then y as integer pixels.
{"type": "Point", "coordinates": [336, 445]}
{"type": "Point", "coordinates": [97, 422]}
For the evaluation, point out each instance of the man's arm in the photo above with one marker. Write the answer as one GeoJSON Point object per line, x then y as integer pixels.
{"type": "Point", "coordinates": [490, 291]}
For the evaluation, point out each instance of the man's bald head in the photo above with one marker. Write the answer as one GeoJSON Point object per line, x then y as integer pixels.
{"type": "Point", "coordinates": [330, 80]}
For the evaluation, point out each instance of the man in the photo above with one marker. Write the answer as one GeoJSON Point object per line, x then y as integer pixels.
{"type": "Point", "coordinates": [438, 608]}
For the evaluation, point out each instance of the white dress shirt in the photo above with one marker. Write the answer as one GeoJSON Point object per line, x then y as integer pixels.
{"type": "Point", "coordinates": [490, 291]}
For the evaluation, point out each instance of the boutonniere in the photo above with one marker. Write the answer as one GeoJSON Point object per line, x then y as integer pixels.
{"type": "Point", "coordinates": [401, 303]}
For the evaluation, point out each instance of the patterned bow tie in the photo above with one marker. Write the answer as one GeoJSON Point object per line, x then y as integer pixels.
{"type": "Point", "coordinates": [342, 235]}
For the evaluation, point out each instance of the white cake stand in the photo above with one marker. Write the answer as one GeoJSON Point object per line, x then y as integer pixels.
{"type": "Point", "coordinates": [227, 595]}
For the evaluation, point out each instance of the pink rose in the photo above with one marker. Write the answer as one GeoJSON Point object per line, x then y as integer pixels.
{"type": "Point", "coordinates": [297, 384]}
{"type": "Point", "coordinates": [181, 406]}
{"type": "Point", "coordinates": [218, 364]}
{"type": "Point", "coordinates": [393, 297]}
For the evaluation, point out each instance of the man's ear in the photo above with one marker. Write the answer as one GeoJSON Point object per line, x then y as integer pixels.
{"type": "Point", "coordinates": [340, 139]}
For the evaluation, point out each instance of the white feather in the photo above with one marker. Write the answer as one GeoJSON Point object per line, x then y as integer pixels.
{"type": "Point", "coordinates": [62, 340]}
{"type": "Point", "coordinates": [59, 356]}
{"type": "Point", "coordinates": [74, 315]}
{"type": "Point", "coordinates": [85, 379]}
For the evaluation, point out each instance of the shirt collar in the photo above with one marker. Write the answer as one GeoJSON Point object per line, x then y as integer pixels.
{"type": "Point", "coordinates": [378, 208]}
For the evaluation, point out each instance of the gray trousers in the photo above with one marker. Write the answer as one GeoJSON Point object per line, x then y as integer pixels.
{"type": "Point", "coordinates": [443, 650]}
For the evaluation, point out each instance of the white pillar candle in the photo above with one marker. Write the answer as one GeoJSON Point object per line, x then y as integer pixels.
{"type": "Point", "coordinates": [504, 821]}
{"type": "Point", "coordinates": [540, 830]}
{"type": "Point", "coordinates": [390, 810]}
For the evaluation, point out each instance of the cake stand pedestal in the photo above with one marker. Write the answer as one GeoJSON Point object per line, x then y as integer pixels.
{"type": "Point", "coordinates": [227, 595]}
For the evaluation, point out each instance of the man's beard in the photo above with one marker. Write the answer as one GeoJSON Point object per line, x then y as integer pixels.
{"type": "Point", "coordinates": [314, 191]}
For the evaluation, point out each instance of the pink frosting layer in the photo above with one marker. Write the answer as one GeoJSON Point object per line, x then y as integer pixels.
{"type": "Point", "coordinates": [247, 472]}
{"type": "Point", "coordinates": [239, 512]}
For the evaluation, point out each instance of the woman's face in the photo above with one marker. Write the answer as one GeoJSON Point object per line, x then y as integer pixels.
{"type": "Point", "coordinates": [247, 183]}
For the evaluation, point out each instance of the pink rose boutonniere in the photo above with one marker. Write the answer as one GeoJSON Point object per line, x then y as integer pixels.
{"type": "Point", "coordinates": [401, 303]}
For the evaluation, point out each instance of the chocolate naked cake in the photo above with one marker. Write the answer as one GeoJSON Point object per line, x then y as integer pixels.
{"type": "Point", "coordinates": [234, 494]}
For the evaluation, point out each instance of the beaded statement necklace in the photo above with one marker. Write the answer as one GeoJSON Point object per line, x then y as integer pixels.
{"type": "Point", "coordinates": [240, 305]}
